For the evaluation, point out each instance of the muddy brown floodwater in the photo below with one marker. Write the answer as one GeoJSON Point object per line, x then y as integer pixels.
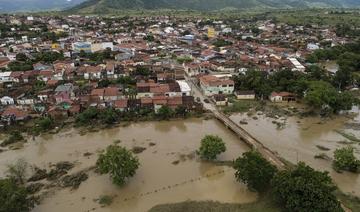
{"type": "Point", "coordinates": [157, 181]}
{"type": "Point", "coordinates": [297, 141]}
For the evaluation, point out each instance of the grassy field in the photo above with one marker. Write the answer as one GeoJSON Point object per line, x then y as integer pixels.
{"type": "Point", "coordinates": [316, 16]}
{"type": "Point", "coordinates": [240, 106]}
{"type": "Point", "coordinates": [264, 204]}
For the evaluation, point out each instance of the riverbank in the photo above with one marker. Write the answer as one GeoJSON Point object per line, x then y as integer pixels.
{"type": "Point", "coordinates": [30, 129]}
{"type": "Point", "coordinates": [264, 203]}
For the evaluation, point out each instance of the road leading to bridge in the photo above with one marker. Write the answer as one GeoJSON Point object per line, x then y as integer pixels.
{"type": "Point", "coordinates": [238, 130]}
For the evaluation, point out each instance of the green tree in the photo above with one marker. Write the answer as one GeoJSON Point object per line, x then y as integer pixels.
{"type": "Point", "coordinates": [253, 170]}
{"type": "Point", "coordinates": [322, 95]}
{"type": "Point", "coordinates": [222, 42]}
{"type": "Point", "coordinates": [13, 197]}
{"type": "Point", "coordinates": [149, 38]}
{"type": "Point", "coordinates": [165, 113]}
{"type": "Point", "coordinates": [304, 189]}
{"type": "Point", "coordinates": [45, 123]}
{"type": "Point", "coordinates": [119, 162]}
{"type": "Point", "coordinates": [104, 83]}
{"type": "Point", "coordinates": [86, 116]}
{"type": "Point", "coordinates": [108, 116]}
{"type": "Point", "coordinates": [344, 159]}
{"type": "Point", "coordinates": [14, 137]}
{"type": "Point", "coordinates": [181, 111]}
{"type": "Point", "coordinates": [211, 146]}
{"type": "Point", "coordinates": [21, 57]}
{"type": "Point", "coordinates": [254, 80]}
{"type": "Point", "coordinates": [17, 171]}
{"type": "Point", "coordinates": [142, 71]}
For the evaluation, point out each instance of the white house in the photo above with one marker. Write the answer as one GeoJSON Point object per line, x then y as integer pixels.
{"type": "Point", "coordinates": [7, 100]}
{"type": "Point", "coordinates": [5, 76]}
{"type": "Point", "coordinates": [212, 85]}
{"type": "Point", "coordinates": [312, 46]}
{"type": "Point", "coordinates": [184, 87]}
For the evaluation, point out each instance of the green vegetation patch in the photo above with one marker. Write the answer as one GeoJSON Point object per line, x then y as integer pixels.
{"type": "Point", "coordinates": [105, 200]}
{"type": "Point", "coordinates": [349, 201]}
{"type": "Point", "coordinates": [263, 204]}
{"type": "Point", "coordinates": [240, 106]}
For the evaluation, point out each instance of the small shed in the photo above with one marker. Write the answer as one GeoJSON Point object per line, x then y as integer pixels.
{"type": "Point", "coordinates": [245, 95]}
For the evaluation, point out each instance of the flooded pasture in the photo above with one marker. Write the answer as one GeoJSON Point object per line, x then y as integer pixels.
{"type": "Point", "coordinates": [169, 170]}
{"type": "Point", "coordinates": [300, 139]}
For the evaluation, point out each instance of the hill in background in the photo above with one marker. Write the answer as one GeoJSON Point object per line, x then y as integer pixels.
{"type": "Point", "coordinates": [7, 6]}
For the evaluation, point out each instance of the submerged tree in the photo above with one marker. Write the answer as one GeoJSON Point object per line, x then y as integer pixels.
{"type": "Point", "coordinates": [305, 189]}
{"type": "Point", "coordinates": [119, 162]}
{"type": "Point", "coordinates": [344, 159]}
{"type": "Point", "coordinates": [17, 171]}
{"type": "Point", "coordinates": [254, 170]}
{"type": "Point", "coordinates": [211, 146]}
{"type": "Point", "coordinates": [14, 197]}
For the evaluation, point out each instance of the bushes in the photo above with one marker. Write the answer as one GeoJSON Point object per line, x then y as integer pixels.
{"type": "Point", "coordinates": [106, 116]}
{"type": "Point", "coordinates": [14, 137]}
{"type": "Point", "coordinates": [44, 124]}
{"type": "Point", "coordinates": [13, 197]}
{"type": "Point", "coordinates": [17, 171]}
{"type": "Point", "coordinates": [344, 159]}
{"type": "Point", "coordinates": [165, 113]}
{"type": "Point", "coordinates": [87, 116]}
{"type": "Point", "coordinates": [210, 147]}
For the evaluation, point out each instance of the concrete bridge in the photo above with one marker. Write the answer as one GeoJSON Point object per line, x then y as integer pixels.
{"type": "Point", "coordinates": [238, 130]}
{"type": "Point", "coordinates": [250, 140]}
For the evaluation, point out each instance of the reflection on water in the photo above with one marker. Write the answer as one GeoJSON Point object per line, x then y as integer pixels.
{"type": "Point", "coordinates": [298, 140]}
{"type": "Point", "coordinates": [157, 180]}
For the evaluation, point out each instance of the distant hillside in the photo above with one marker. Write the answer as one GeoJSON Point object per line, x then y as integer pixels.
{"type": "Point", "coordinates": [207, 5]}
{"type": "Point", "coordinates": [36, 5]}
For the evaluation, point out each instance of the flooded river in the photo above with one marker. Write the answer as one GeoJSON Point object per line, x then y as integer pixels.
{"type": "Point", "coordinates": [297, 141]}
{"type": "Point", "coordinates": [157, 181]}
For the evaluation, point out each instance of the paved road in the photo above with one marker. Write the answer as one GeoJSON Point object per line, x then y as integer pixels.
{"type": "Point", "coordinates": [242, 133]}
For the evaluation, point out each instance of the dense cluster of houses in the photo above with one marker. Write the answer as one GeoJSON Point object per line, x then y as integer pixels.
{"type": "Point", "coordinates": [172, 50]}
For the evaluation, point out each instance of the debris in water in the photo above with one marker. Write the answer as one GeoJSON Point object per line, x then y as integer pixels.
{"type": "Point", "coordinates": [243, 122]}
{"type": "Point", "coordinates": [322, 148]}
{"type": "Point", "coordinates": [176, 162]}
{"type": "Point", "coordinates": [138, 149]}
{"type": "Point", "coordinates": [117, 141]}
{"type": "Point", "coordinates": [105, 200]}
{"type": "Point", "coordinates": [87, 154]}
{"type": "Point", "coordinates": [322, 156]}
{"type": "Point", "coordinates": [74, 180]}
{"type": "Point", "coordinates": [39, 174]}
{"type": "Point", "coordinates": [61, 169]}
{"type": "Point", "coordinates": [35, 187]}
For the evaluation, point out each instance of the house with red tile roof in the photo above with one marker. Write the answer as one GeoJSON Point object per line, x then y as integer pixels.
{"type": "Point", "coordinates": [121, 104]}
{"type": "Point", "coordinates": [12, 113]}
{"type": "Point", "coordinates": [111, 94]}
